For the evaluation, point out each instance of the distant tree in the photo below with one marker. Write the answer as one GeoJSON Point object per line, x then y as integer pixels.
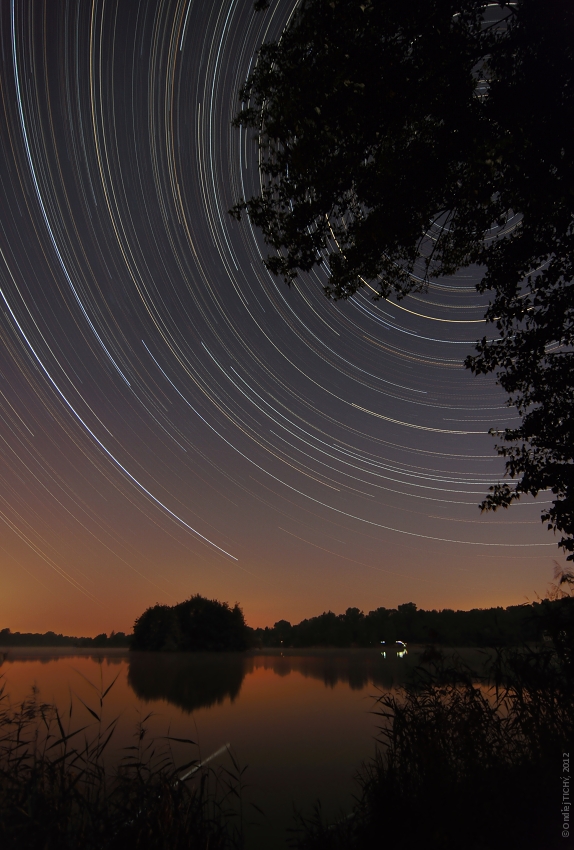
{"type": "Point", "coordinates": [118, 639]}
{"type": "Point", "coordinates": [327, 629]}
{"type": "Point", "coordinates": [196, 624]}
{"type": "Point", "coordinates": [354, 621]}
{"type": "Point", "coordinates": [8, 638]}
{"type": "Point", "coordinates": [282, 632]}
{"type": "Point", "coordinates": [157, 629]}
{"type": "Point", "coordinates": [405, 139]}
{"type": "Point", "coordinates": [207, 624]}
{"type": "Point", "coordinates": [556, 618]}
{"type": "Point", "coordinates": [510, 626]}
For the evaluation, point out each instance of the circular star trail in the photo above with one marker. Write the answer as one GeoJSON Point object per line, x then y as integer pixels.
{"type": "Point", "coordinates": [173, 418]}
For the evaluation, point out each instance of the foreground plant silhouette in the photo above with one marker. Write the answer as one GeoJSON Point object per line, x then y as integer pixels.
{"type": "Point", "coordinates": [56, 791]}
{"type": "Point", "coordinates": [468, 761]}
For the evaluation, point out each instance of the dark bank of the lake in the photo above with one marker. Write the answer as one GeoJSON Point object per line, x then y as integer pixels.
{"type": "Point", "coordinates": [300, 719]}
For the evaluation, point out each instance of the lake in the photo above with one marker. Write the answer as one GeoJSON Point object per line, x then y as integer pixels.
{"type": "Point", "coordinates": [301, 720]}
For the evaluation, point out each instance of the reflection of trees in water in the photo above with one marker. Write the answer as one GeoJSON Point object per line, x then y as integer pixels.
{"type": "Point", "coordinates": [356, 668]}
{"type": "Point", "coordinates": [44, 655]}
{"type": "Point", "coordinates": [199, 680]}
{"type": "Point", "coordinates": [188, 680]}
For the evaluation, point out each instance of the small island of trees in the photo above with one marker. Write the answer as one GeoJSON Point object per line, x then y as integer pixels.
{"type": "Point", "coordinates": [198, 624]}
{"type": "Point", "coordinates": [201, 624]}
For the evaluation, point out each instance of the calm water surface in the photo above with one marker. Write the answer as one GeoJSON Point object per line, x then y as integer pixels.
{"type": "Point", "coordinates": [299, 719]}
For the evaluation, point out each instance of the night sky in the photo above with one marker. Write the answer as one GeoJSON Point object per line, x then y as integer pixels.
{"type": "Point", "coordinates": [174, 419]}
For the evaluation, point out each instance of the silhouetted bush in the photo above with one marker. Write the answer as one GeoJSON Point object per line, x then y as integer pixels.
{"type": "Point", "coordinates": [56, 792]}
{"type": "Point", "coordinates": [469, 761]}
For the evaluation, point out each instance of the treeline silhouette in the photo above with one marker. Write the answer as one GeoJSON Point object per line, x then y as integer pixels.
{"type": "Point", "coordinates": [452, 742]}
{"type": "Point", "coordinates": [198, 624]}
{"type": "Point", "coordinates": [8, 638]}
{"type": "Point", "coordinates": [510, 626]}
{"type": "Point", "coordinates": [201, 624]}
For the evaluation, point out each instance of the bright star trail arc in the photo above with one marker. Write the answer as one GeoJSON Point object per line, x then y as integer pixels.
{"type": "Point", "coordinates": [175, 420]}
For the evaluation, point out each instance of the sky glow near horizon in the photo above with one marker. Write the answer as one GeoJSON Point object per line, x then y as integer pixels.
{"type": "Point", "coordinates": [174, 420]}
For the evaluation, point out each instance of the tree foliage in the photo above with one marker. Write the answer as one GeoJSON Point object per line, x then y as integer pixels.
{"type": "Point", "coordinates": [510, 626]}
{"type": "Point", "coordinates": [196, 624]}
{"type": "Point", "coordinates": [405, 139]}
{"type": "Point", "coordinates": [115, 639]}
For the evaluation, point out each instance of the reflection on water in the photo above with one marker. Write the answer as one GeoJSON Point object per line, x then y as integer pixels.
{"type": "Point", "coordinates": [397, 647]}
{"type": "Point", "coordinates": [301, 719]}
{"type": "Point", "coordinates": [188, 680]}
{"type": "Point", "coordinates": [48, 654]}
{"type": "Point", "coordinates": [200, 680]}
{"type": "Point", "coordinates": [354, 667]}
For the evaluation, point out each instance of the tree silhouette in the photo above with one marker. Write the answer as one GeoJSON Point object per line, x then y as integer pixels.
{"type": "Point", "coordinates": [405, 139]}
{"type": "Point", "coordinates": [193, 625]}
{"type": "Point", "coordinates": [157, 629]}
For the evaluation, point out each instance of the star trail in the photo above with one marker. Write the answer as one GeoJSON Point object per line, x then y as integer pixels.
{"type": "Point", "coordinates": [174, 419]}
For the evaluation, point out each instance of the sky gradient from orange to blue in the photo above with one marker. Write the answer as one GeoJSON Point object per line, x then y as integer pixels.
{"type": "Point", "coordinates": [174, 420]}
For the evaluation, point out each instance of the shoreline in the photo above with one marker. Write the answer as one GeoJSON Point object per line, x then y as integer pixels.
{"type": "Point", "coordinates": [8, 653]}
